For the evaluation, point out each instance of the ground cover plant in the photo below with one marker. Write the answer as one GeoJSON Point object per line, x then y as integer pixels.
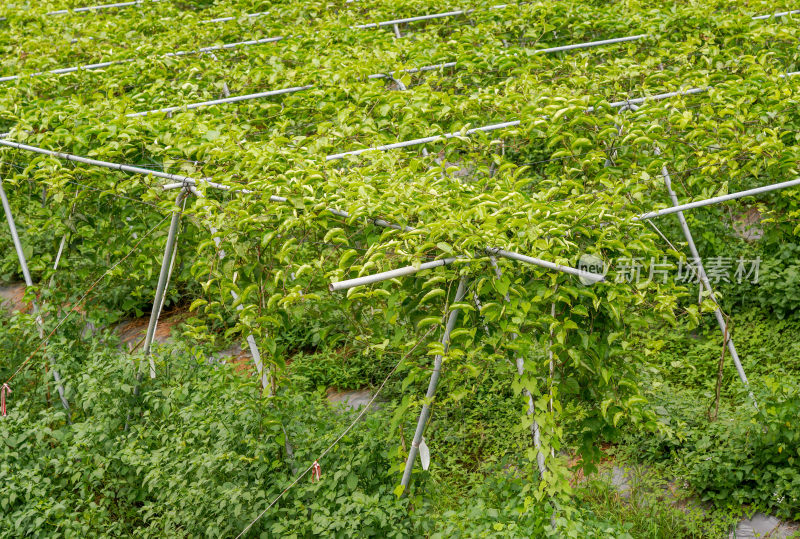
{"type": "Point", "coordinates": [546, 378]}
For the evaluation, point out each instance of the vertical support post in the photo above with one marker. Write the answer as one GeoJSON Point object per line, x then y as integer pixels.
{"type": "Point", "coordinates": [29, 282]}
{"type": "Point", "coordinates": [251, 341]}
{"type": "Point", "coordinates": [426, 407]}
{"type": "Point", "coordinates": [535, 434]}
{"type": "Point", "coordinates": [397, 33]}
{"type": "Point", "coordinates": [163, 278]}
{"type": "Point", "coordinates": [701, 273]}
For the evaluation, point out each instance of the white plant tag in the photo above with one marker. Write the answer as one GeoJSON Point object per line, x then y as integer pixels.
{"type": "Point", "coordinates": [424, 454]}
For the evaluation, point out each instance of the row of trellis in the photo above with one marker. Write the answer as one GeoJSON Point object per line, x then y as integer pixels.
{"type": "Point", "coordinates": [189, 185]}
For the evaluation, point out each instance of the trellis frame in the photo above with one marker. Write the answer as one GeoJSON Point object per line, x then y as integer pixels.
{"type": "Point", "coordinates": [187, 188]}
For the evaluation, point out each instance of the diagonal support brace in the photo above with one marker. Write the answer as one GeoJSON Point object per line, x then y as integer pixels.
{"type": "Point", "coordinates": [263, 374]}
{"type": "Point", "coordinates": [29, 282]}
{"type": "Point", "coordinates": [170, 250]}
{"type": "Point", "coordinates": [437, 367]}
{"type": "Point", "coordinates": [701, 272]}
{"type": "Point", "coordinates": [520, 361]}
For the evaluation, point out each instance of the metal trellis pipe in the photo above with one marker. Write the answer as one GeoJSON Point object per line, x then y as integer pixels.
{"type": "Point", "coordinates": [701, 273]}
{"type": "Point", "coordinates": [587, 44]}
{"type": "Point", "coordinates": [29, 283]}
{"type": "Point", "coordinates": [437, 367]}
{"type": "Point", "coordinates": [425, 140]}
{"type": "Point", "coordinates": [520, 363]}
{"type": "Point", "coordinates": [101, 7]}
{"type": "Point", "coordinates": [592, 277]}
{"type": "Point", "coordinates": [235, 17]}
{"type": "Point", "coordinates": [418, 18]}
{"type": "Point", "coordinates": [234, 99]}
{"type": "Point", "coordinates": [391, 274]}
{"type": "Point", "coordinates": [410, 270]}
{"type": "Point", "coordinates": [114, 166]}
{"type": "Point", "coordinates": [163, 278]}
{"type": "Point", "coordinates": [251, 341]}
{"type": "Point", "coordinates": [178, 54]}
{"type": "Point", "coordinates": [506, 125]}
{"type": "Point", "coordinates": [590, 44]}
{"type": "Point", "coordinates": [776, 15]}
{"type": "Point", "coordinates": [717, 200]}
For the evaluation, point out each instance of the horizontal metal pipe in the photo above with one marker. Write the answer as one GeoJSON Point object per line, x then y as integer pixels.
{"type": "Point", "coordinates": [595, 277]}
{"type": "Point", "coordinates": [379, 222]}
{"type": "Point", "coordinates": [425, 140]}
{"type": "Point", "coordinates": [538, 51]}
{"type": "Point", "coordinates": [101, 7]}
{"type": "Point", "coordinates": [225, 46]}
{"type": "Point", "coordinates": [589, 44]}
{"type": "Point", "coordinates": [234, 99]}
{"type": "Point", "coordinates": [425, 17]}
{"type": "Point", "coordinates": [113, 166]}
{"type": "Point", "coordinates": [414, 19]}
{"type": "Point", "coordinates": [391, 274]}
{"type": "Point", "coordinates": [101, 65]}
{"type": "Point", "coordinates": [657, 97]}
{"type": "Point", "coordinates": [717, 200]}
{"type": "Point", "coordinates": [504, 125]}
{"type": "Point", "coordinates": [64, 70]}
{"type": "Point", "coordinates": [234, 17]}
{"type": "Point", "coordinates": [410, 270]}
{"type": "Point", "coordinates": [776, 15]}
{"type": "Point", "coordinates": [414, 70]}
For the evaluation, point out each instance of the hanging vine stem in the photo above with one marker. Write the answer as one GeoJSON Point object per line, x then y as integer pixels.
{"type": "Point", "coordinates": [520, 364]}
{"type": "Point", "coordinates": [552, 368]}
{"type": "Point", "coordinates": [718, 388]}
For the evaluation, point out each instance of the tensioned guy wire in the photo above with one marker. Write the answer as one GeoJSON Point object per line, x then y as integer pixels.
{"type": "Point", "coordinates": [339, 437]}
{"type": "Point", "coordinates": [80, 301]}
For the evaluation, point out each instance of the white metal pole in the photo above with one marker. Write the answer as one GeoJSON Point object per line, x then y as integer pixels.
{"type": "Point", "coordinates": [520, 361]}
{"type": "Point", "coordinates": [29, 283]}
{"type": "Point", "coordinates": [158, 301]}
{"type": "Point", "coordinates": [587, 44]}
{"type": "Point", "coordinates": [263, 374]}
{"type": "Point", "coordinates": [776, 15]}
{"type": "Point", "coordinates": [701, 273]}
{"type": "Point", "coordinates": [234, 99]}
{"type": "Point", "coordinates": [233, 18]}
{"type": "Point", "coordinates": [505, 125]}
{"type": "Point", "coordinates": [425, 140]}
{"type": "Point", "coordinates": [100, 7]}
{"type": "Point", "coordinates": [426, 407]}
{"type": "Point", "coordinates": [717, 200]}
{"type": "Point", "coordinates": [391, 274]}
{"type": "Point", "coordinates": [181, 180]}
{"type": "Point", "coordinates": [410, 270]}
{"type": "Point", "coordinates": [102, 65]}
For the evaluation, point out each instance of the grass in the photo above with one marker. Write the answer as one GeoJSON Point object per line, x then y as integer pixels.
{"type": "Point", "coordinates": [652, 508]}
